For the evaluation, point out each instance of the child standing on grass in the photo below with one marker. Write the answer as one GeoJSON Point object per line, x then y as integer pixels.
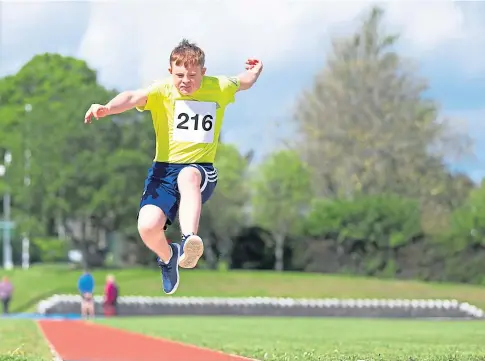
{"type": "Point", "coordinates": [85, 286]}
{"type": "Point", "coordinates": [110, 297]}
{"type": "Point", "coordinates": [6, 290]}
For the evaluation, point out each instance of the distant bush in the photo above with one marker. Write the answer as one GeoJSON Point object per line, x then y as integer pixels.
{"type": "Point", "coordinates": [51, 249]}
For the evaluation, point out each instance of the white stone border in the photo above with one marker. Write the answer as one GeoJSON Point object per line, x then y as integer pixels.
{"type": "Point", "coordinates": [464, 307]}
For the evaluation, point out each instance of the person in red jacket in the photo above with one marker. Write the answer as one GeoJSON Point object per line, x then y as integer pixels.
{"type": "Point", "coordinates": [110, 297]}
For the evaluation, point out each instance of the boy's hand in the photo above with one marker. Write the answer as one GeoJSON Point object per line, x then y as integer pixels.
{"type": "Point", "coordinates": [254, 65]}
{"type": "Point", "coordinates": [97, 111]}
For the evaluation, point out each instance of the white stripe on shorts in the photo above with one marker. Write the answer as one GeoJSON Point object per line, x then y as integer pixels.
{"type": "Point", "coordinates": [209, 176]}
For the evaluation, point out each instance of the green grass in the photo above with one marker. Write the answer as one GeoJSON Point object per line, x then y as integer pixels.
{"type": "Point", "coordinates": [285, 339]}
{"type": "Point", "coordinates": [21, 340]}
{"type": "Point", "coordinates": [42, 281]}
{"type": "Point", "coordinates": [306, 339]}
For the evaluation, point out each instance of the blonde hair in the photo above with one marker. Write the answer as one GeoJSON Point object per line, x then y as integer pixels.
{"type": "Point", "coordinates": [187, 53]}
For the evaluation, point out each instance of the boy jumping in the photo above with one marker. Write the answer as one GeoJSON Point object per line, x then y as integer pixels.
{"type": "Point", "coordinates": [187, 109]}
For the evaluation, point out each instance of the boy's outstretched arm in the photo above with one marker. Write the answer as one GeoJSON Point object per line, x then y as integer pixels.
{"type": "Point", "coordinates": [121, 103]}
{"type": "Point", "coordinates": [251, 75]}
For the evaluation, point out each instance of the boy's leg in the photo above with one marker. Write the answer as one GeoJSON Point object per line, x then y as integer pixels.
{"type": "Point", "coordinates": [195, 185]}
{"type": "Point", "coordinates": [151, 221]}
{"type": "Point", "coordinates": [157, 206]}
{"type": "Point", "coordinates": [189, 181]}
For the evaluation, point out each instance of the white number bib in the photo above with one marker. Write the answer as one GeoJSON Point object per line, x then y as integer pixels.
{"type": "Point", "coordinates": [194, 121]}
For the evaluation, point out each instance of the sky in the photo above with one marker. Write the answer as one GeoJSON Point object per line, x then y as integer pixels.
{"type": "Point", "coordinates": [128, 43]}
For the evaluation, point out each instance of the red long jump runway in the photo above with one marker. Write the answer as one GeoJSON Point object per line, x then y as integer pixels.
{"type": "Point", "coordinates": [83, 341]}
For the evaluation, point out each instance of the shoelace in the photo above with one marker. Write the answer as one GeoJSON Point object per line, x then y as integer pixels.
{"type": "Point", "coordinates": [163, 264]}
{"type": "Point", "coordinates": [184, 238]}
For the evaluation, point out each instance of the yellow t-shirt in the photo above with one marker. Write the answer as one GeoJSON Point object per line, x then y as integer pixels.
{"type": "Point", "coordinates": [187, 127]}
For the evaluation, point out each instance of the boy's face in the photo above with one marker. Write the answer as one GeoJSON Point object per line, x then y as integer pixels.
{"type": "Point", "coordinates": [186, 79]}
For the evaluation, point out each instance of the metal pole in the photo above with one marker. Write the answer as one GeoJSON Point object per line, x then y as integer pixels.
{"type": "Point", "coordinates": [7, 248]}
{"type": "Point", "coordinates": [25, 252]}
{"type": "Point", "coordinates": [27, 155]}
{"type": "Point", "coordinates": [25, 239]}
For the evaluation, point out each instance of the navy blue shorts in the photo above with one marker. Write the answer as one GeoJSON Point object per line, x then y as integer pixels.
{"type": "Point", "coordinates": [161, 187]}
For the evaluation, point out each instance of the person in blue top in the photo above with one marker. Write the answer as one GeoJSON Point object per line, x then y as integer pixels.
{"type": "Point", "coordinates": [85, 285]}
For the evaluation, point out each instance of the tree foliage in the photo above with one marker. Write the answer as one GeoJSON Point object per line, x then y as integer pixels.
{"type": "Point", "coordinates": [365, 125]}
{"type": "Point", "coordinates": [282, 191]}
{"type": "Point", "coordinates": [84, 180]}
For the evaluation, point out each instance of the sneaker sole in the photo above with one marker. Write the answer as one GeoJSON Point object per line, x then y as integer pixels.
{"type": "Point", "coordinates": [193, 250]}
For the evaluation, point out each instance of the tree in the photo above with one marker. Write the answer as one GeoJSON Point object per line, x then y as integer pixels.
{"type": "Point", "coordinates": [366, 127]}
{"type": "Point", "coordinates": [87, 180]}
{"type": "Point", "coordinates": [282, 191]}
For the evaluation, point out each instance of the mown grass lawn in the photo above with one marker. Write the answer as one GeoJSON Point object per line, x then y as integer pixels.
{"type": "Point", "coordinates": [21, 340]}
{"type": "Point", "coordinates": [312, 339]}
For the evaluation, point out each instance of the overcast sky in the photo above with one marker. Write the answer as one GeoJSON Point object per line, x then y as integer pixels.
{"type": "Point", "coordinates": [128, 43]}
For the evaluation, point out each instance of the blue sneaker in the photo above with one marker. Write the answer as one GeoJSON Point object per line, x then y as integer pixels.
{"type": "Point", "coordinates": [170, 270]}
{"type": "Point", "coordinates": [192, 249]}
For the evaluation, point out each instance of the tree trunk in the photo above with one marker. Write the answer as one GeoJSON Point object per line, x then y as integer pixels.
{"type": "Point", "coordinates": [61, 229]}
{"type": "Point", "coordinates": [279, 252]}
{"type": "Point", "coordinates": [226, 251]}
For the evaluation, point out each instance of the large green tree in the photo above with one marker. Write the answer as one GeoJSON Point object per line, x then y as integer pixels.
{"type": "Point", "coordinates": [85, 181]}
{"type": "Point", "coordinates": [366, 126]}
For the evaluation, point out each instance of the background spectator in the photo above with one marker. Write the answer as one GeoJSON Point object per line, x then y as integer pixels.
{"type": "Point", "coordinates": [86, 287]}
{"type": "Point", "coordinates": [6, 290]}
{"type": "Point", "coordinates": [110, 296]}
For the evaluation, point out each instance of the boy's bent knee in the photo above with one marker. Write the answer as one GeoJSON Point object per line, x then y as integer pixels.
{"type": "Point", "coordinates": [189, 177]}
{"type": "Point", "coordinates": [151, 219]}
